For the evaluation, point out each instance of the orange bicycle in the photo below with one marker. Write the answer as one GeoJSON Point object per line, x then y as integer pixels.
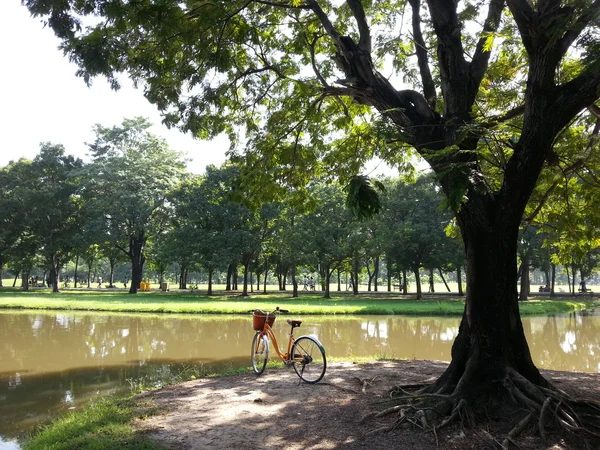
{"type": "Point", "coordinates": [305, 353]}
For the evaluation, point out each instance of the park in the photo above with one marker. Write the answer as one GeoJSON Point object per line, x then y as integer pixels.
{"type": "Point", "coordinates": [487, 111]}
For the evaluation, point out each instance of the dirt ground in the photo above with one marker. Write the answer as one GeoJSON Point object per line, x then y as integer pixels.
{"type": "Point", "coordinates": [275, 411]}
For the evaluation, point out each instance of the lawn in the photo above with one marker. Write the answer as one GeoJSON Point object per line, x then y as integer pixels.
{"type": "Point", "coordinates": [233, 303]}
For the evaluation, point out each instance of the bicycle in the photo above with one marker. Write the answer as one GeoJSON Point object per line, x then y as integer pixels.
{"type": "Point", "coordinates": [305, 354]}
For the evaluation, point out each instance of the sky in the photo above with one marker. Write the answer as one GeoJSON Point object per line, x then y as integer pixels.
{"type": "Point", "coordinates": [42, 100]}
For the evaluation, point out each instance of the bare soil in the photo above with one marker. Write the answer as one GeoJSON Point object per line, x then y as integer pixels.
{"type": "Point", "coordinates": [275, 411]}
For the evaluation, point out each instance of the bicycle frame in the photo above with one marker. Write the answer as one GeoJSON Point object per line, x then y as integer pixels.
{"type": "Point", "coordinates": [268, 331]}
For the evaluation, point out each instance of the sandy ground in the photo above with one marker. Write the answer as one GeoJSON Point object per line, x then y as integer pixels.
{"type": "Point", "coordinates": [275, 411]}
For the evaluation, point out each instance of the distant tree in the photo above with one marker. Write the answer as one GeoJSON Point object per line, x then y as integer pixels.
{"type": "Point", "coordinates": [51, 193]}
{"type": "Point", "coordinates": [127, 183]}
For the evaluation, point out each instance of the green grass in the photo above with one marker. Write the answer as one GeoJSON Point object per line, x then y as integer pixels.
{"type": "Point", "coordinates": [194, 303]}
{"type": "Point", "coordinates": [104, 425]}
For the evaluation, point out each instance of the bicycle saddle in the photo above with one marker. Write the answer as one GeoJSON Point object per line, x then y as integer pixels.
{"type": "Point", "coordinates": [294, 323]}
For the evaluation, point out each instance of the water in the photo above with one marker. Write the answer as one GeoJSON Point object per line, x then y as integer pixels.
{"type": "Point", "coordinates": [53, 362]}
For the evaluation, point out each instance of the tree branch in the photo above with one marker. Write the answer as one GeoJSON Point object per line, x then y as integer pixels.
{"type": "Point", "coordinates": [577, 94]}
{"type": "Point", "coordinates": [422, 56]}
{"type": "Point", "coordinates": [364, 42]}
{"type": "Point", "coordinates": [501, 118]}
{"type": "Point", "coordinates": [573, 33]}
{"type": "Point", "coordinates": [327, 25]}
{"type": "Point", "coordinates": [454, 70]}
{"type": "Point", "coordinates": [523, 14]}
{"type": "Point", "coordinates": [479, 63]}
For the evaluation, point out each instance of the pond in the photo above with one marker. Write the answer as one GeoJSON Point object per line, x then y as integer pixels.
{"type": "Point", "coordinates": [52, 362]}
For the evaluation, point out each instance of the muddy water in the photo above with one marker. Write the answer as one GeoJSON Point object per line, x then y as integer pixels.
{"type": "Point", "coordinates": [54, 362]}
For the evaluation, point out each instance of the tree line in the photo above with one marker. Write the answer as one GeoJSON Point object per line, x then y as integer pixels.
{"type": "Point", "coordinates": [134, 202]}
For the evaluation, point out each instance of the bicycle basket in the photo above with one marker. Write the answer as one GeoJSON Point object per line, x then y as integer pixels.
{"type": "Point", "coordinates": [260, 317]}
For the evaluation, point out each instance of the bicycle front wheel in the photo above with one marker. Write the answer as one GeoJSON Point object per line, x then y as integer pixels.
{"type": "Point", "coordinates": [260, 353]}
{"type": "Point", "coordinates": [309, 359]}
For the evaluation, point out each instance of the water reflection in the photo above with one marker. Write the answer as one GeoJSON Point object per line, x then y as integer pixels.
{"type": "Point", "coordinates": [54, 362]}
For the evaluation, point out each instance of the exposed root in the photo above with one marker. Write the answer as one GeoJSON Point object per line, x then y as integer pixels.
{"type": "Point", "coordinates": [364, 383]}
{"type": "Point", "coordinates": [518, 429]}
{"type": "Point", "coordinates": [536, 407]}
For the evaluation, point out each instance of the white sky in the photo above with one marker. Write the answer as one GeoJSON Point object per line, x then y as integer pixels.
{"type": "Point", "coordinates": [42, 100]}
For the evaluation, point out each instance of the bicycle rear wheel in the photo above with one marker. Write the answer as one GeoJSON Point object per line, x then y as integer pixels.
{"type": "Point", "coordinates": [260, 353]}
{"type": "Point", "coordinates": [309, 359]}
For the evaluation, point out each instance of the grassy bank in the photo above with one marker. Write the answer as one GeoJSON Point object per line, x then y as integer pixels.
{"type": "Point", "coordinates": [307, 303]}
{"type": "Point", "coordinates": [104, 425]}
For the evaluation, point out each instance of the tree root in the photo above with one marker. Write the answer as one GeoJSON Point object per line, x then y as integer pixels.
{"type": "Point", "coordinates": [538, 408]}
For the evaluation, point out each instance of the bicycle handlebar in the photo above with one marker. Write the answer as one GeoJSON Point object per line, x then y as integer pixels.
{"type": "Point", "coordinates": [276, 311]}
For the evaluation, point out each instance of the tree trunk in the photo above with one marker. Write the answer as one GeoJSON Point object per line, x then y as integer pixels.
{"type": "Point", "coordinates": [444, 279]}
{"type": "Point", "coordinates": [524, 278]}
{"type": "Point", "coordinates": [16, 278]}
{"type": "Point", "coordinates": [376, 273]}
{"type": "Point", "coordinates": [491, 346]}
{"type": "Point", "coordinates": [404, 282]}
{"type": "Point", "coordinates": [210, 285]}
{"type": "Point", "coordinates": [136, 254]}
{"type": "Point", "coordinates": [55, 272]}
{"type": "Point", "coordinates": [245, 288]}
{"type": "Point", "coordinates": [553, 280]}
{"type": "Point", "coordinates": [228, 282]}
{"type": "Point", "coordinates": [574, 277]}
{"type": "Point", "coordinates": [354, 277]}
{"type": "Point", "coordinates": [459, 279]}
{"type": "Point", "coordinates": [294, 282]}
{"type": "Point", "coordinates": [388, 269]}
{"type": "Point", "coordinates": [431, 282]}
{"type": "Point", "coordinates": [266, 274]}
{"type": "Point", "coordinates": [418, 282]}
{"type": "Point", "coordinates": [326, 287]}
{"type": "Point", "coordinates": [76, 267]}
{"type": "Point", "coordinates": [25, 280]}
{"type": "Point", "coordinates": [111, 275]}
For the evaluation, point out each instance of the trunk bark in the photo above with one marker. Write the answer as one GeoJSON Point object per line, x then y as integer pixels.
{"type": "Point", "coordinates": [136, 254]}
{"type": "Point", "coordinates": [574, 275]}
{"type": "Point", "coordinates": [25, 280]}
{"type": "Point", "coordinates": [245, 288]}
{"type": "Point", "coordinates": [55, 273]}
{"type": "Point", "coordinates": [418, 282]}
{"type": "Point", "coordinates": [431, 282]}
{"type": "Point", "coordinates": [459, 279]}
{"type": "Point", "coordinates": [354, 277]}
{"type": "Point", "coordinates": [552, 294]}
{"type": "Point", "coordinates": [294, 282]}
{"type": "Point", "coordinates": [376, 273]}
{"type": "Point", "coordinates": [266, 275]}
{"type": "Point", "coordinates": [388, 269]}
{"type": "Point", "coordinates": [326, 287]}
{"type": "Point", "coordinates": [210, 276]}
{"type": "Point", "coordinates": [404, 282]}
{"type": "Point", "coordinates": [444, 279]}
{"type": "Point", "coordinates": [76, 267]}
{"type": "Point", "coordinates": [523, 295]}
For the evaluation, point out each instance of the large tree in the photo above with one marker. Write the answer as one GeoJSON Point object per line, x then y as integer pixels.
{"type": "Point", "coordinates": [315, 80]}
